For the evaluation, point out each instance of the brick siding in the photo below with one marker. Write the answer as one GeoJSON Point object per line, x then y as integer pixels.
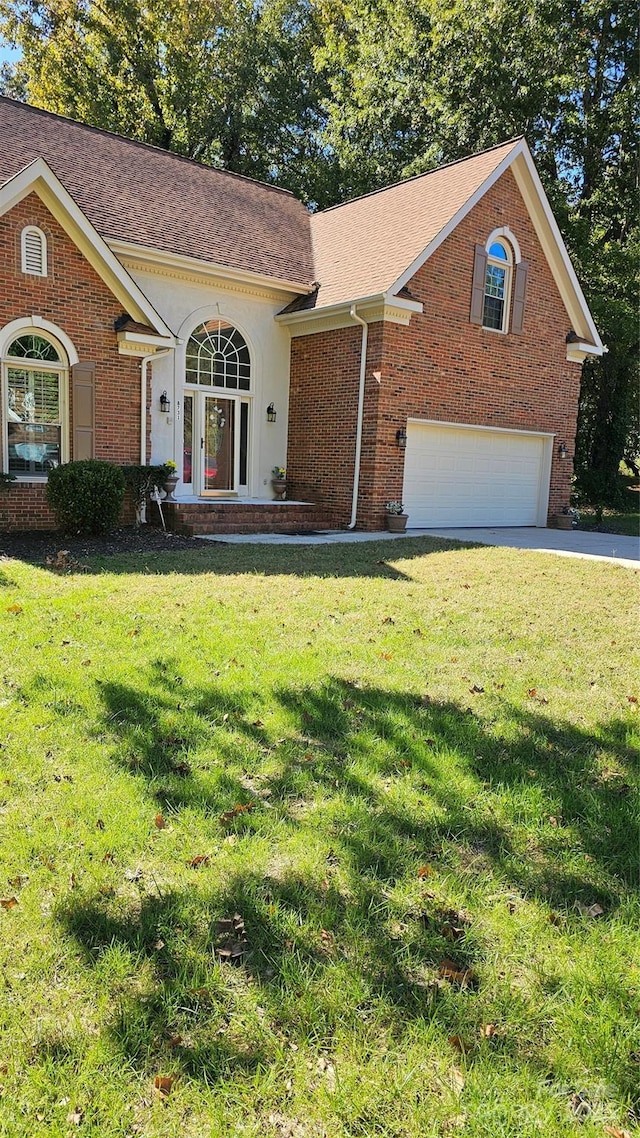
{"type": "Point", "coordinates": [440, 367]}
{"type": "Point", "coordinates": [73, 297]}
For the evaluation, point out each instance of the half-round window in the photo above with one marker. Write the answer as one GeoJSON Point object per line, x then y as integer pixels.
{"type": "Point", "coordinates": [218, 356]}
{"type": "Point", "coordinates": [34, 348]}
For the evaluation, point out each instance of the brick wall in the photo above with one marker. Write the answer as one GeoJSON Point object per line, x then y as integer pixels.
{"type": "Point", "coordinates": [74, 298]}
{"type": "Point", "coordinates": [440, 367]}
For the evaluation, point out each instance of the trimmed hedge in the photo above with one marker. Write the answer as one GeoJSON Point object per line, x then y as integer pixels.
{"type": "Point", "coordinates": [87, 496]}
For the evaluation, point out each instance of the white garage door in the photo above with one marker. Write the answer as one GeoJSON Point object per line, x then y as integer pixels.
{"type": "Point", "coordinates": [466, 476]}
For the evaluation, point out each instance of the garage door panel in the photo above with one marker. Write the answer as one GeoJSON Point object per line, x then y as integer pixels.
{"type": "Point", "coordinates": [471, 477]}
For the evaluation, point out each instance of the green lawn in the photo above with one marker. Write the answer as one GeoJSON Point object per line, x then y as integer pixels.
{"type": "Point", "coordinates": [335, 841]}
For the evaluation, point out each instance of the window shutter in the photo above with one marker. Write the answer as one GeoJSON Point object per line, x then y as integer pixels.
{"type": "Point", "coordinates": [83, 410]}
{"type": "Point", "coordinates": [477, 288]}
{"type": "Point", "coordinates": [519, 294]}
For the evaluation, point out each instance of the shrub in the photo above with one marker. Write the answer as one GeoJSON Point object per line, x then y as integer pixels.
{"type": "Point", "coordinates": [140, 481]}
{"type": "Point", "coordinates": [86, 497]}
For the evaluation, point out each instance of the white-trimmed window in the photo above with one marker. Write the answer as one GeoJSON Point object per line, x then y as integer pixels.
{"type": "Point", "coordinates": [34, 251]}
{"type": "Point", "coordinates": [497, 285]}
{"type": "Point", "coordinates": [35, 384]}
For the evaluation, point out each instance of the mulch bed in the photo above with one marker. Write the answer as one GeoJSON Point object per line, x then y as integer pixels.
{"type": "Point", "coordinates": [37, 547]}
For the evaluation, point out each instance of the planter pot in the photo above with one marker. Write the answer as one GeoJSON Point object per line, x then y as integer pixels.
{"type": "Point", "coordinates": [397, 523]}
{"type": "Point", "coordinates": [562, 521]}
{"type": "Point", "coordinates": [279, 488]}
{"type": "Point", "coordinates": [169, 485]}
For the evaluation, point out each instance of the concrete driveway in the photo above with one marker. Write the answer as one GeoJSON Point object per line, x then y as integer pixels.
{"type": "Point", "coordinates": [566, 543]}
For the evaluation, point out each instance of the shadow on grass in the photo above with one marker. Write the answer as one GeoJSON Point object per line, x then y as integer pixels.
{"type": "Point", "coordinates": [349, 559]}
{"type": "Point", "coordinates": [381, 782]}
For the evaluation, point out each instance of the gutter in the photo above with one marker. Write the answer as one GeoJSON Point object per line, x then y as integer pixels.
{"type": "Point", "coordinates": [363, 367]}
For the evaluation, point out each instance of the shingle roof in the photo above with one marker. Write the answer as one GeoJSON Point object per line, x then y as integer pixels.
{"type": "Point", "coordinates": [362, 247]}
{"type": "Point", "coordinates": [134, 192]}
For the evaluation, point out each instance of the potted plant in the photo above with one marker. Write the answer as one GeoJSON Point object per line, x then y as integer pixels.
{"type": "Point", "coordinates": [171, 479]}
{"type": "Point", "coordinates": [567, 519]}
{"type": "Point", "coordinates": [279, 482]}
{"type": "Point", "coordinates": [396, 517]}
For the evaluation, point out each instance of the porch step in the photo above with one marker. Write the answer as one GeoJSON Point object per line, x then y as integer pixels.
{"type": "Point", "coordinates": [192, 519]}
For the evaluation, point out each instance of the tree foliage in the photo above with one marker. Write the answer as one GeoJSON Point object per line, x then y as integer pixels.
{"type": "Point", "coordinates": [333, 98]}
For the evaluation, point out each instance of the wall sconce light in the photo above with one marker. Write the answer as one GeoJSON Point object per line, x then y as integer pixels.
{"type": "Point", "coordinates": [271, 413]}
{"type": "Point", "coordinates": [401, 438]}
{"type": "Point", "coordinates": [562, 450]}
{"type": "Point", "coordinates": [165, 403]}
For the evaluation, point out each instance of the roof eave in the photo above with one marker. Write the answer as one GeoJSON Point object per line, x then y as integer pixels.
{"type": "Point", "coordinates": [149, 255]}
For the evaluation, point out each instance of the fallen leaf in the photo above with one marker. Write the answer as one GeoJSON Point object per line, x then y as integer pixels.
{"type": "Point", "coordinates": [159, 944]}
{"type": "Point", "coordinates": [465, 977]}
{"type": "Point", "coordinates": [159, 822]}
{"type": "Point", "coordinates": [8, 902]}
{"type": "Point", "coordinates": [174, 1041]}
{"type": "Point", "coordinates": [257, 723]}
{"type": "Point", "coordinates": [14, 608]}
{"type": "Point", "coordinates": [386, 655]}
{"type": "Point", "coordinates": [488, 1030]}
{"type": "Point", "coordinates": [18, 882]}
{"type": "Point", "coordinates": [238, 809]}
{"type": "Point", "coordinates": [460, 1044]}
{"type": "Point", "coordinates": [532, 692]}
{"type": "Point", "coordinates": [425, 871]}
{"type": "Point", "coordinates": [99, 824]}
{"type": "Point", "coordinates": [475, 690]}
{"type": "Point", "coordinates": [553, 820]}
{"type": "Point", "coordinates": [163, 1084]}
{"type": "Point", "coordinates": [617, 1132]}
{"type": "Point", "coordinates": [388, 620]}
{"type": "Point", "coordinates": [631, 698]}
{"type": "Point", "coordinates": [199, 859]}
{"type": "Point", "coordinates": [75, 1116]}
{"type": "Point", "coordinates": [452, 932]}
{"type": "Point", "coordinates": [580, 1105]}
{"type": "Point", "coordinates": [595, 911]}
{"type": "Point", "coordinates": [133, 874]}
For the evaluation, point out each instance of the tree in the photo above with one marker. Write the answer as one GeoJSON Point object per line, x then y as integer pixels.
{"type": "Point", "coordinates": [229, 82]}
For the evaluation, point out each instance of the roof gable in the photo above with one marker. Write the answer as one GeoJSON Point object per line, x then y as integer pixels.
{"type": "Point", "coordinates": [38, 178]}
{"type": "Point", "coordinates": [374, 245]}
{"type": "Point", "coordinates": [133, 192]}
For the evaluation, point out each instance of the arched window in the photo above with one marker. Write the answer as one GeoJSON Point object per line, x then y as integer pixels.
{"type": "Point", "coordinates": [218, 356]}
{"type": "Point", "coordinates": [35, 383]}
{"type": "Point", "coordinates": [497, 285]}
{"type": "Point", "coordinates": [34, 251]}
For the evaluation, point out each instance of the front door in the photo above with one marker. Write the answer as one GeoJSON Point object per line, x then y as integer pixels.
{"type": "Point", "coordinates": [219, 445]}
{"type": "Point", "coordinates": [215, 444]}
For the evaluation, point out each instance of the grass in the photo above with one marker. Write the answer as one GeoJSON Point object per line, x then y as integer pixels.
{"type": "Point", "coordinates": [437, 749]}
{"type": "Point", "coordinates": [612, 521]}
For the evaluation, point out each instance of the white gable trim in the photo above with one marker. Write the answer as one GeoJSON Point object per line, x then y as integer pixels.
{"type": "Point", "coordinates": [537, 203]}
{"type": "Point", "coordinates": [40, 179]}
{"type": "Point", "coordinates": [453, 222]}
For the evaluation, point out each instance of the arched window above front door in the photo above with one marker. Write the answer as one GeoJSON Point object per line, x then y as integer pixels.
{"type": "Point", "coordinates": [218, 356]}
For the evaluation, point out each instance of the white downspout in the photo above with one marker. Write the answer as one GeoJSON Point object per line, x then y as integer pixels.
{"type": "Point", "coordinates": [143, 400]}
{"type": "Point", "coordinates": [363, 368]}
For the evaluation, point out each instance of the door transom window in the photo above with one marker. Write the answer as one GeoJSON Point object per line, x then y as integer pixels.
{"type": "Point", "coordinates": [218, 356]}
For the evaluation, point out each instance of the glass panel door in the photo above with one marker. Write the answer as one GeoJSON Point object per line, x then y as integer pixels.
{"type": "Point", "coordinates": [218, 445]}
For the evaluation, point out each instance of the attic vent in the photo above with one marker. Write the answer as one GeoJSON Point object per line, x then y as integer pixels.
{"type": "Point", "coordinates": [34, 252]}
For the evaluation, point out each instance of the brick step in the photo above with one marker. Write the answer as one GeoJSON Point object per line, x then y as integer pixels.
{"type": "Point", "coordinates": [209, 518]}
{"type": "Point", "coordinates": [208, 529]}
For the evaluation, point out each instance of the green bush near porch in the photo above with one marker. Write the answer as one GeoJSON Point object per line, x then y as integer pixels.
{"type": "Point", "coordinates": [86, 496]}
